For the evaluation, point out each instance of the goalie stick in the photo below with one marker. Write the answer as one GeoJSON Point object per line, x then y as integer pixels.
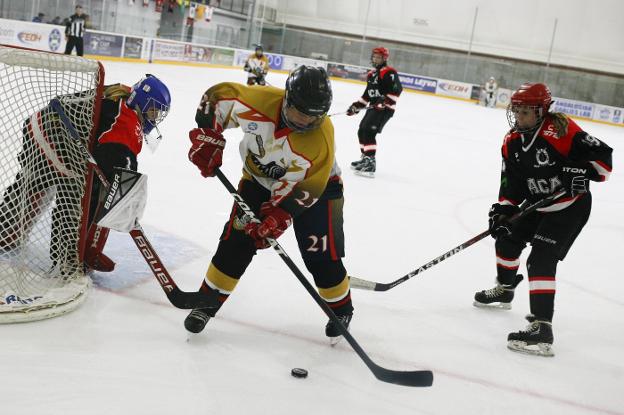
{"type": "Point", "coordinates": [405, 378]}
{"type": "Point", "coordinates": [177, 297]}
{"type": "Point", "coordinates": [380, 286]}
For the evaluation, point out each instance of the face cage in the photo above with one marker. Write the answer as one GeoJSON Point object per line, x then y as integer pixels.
{"type": "Point", "coordinates": [383, 59]}
{"type": "Point", "coordinates": [513, 123]}
{"type": "Point", "coordinates": [295, 127]}
{"type": "Point", "coordinates": [161, 109]}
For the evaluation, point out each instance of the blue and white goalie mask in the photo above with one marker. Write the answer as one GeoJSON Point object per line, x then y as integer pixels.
{"type": "Point", "coordinates": [151, 98]}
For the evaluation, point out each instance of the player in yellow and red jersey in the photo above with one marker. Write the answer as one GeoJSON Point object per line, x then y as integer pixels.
{"type": "Point", "coordinates": [290, 176]}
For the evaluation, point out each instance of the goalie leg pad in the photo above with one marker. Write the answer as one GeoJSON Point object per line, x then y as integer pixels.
{"type": "Point", "coordinates": [95, 259]}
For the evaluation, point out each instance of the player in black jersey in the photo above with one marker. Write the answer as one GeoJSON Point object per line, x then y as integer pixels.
{"type": "Point", "coordinates": [383, 88]}
{"type": "Point", "coordinates": [542, 153]}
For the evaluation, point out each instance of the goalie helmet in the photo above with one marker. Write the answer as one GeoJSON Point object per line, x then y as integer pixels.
{"type": "Point", "coordinates": [532, 95]}
{"type": "Point", "coordinates": [308, 91]}
{"type": "Point", "coordinates": [260, 49]}
{"type": "Point", "coordinates": [151, 98]}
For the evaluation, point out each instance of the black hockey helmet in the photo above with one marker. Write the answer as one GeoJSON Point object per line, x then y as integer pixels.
{"type": "Point", "coordinates": [308, 90]}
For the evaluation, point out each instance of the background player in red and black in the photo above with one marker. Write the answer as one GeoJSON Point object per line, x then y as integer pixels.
{"type": "Point", "coordinates": [542, 153]}
{"type": "Point", "coordinates": [383, 88]}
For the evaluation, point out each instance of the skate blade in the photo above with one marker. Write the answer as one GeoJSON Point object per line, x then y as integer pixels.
{"type": "Point", "coordinates": [499, 306]}
{"type": "Point", "coordinates": [539, 349]}
{"type": "Point", "coordinates": [333, 341]}
{"type": "Point", "coordinates": [368, 174]}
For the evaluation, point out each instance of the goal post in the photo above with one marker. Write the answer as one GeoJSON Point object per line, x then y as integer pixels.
{"type": "Point", "coordinates": [45, 182]}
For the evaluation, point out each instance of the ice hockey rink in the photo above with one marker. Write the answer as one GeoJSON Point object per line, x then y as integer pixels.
{"type": "Point", "coordinates": [125, 350]}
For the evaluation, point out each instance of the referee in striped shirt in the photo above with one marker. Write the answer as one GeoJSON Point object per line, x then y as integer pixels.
{"type": "Point", "coordinates": [75, 31]}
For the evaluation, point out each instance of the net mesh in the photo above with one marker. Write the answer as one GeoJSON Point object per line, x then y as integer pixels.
{"type": "Point", "coordinates": [43, 181]}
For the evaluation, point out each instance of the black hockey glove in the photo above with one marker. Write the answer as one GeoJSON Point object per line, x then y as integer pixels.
{"type": "Point", "coordinates": [499, 219]}
{"type": "Point", "coordinates": [574, 177]}
{"type": "Point", "coordinates": [356, 107]}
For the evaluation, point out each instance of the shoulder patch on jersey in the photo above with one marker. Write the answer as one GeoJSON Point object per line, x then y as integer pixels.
{"type": "Point", "coordinates": [561, 144]}
{"type": "Point", "coordinates": [385, 70]}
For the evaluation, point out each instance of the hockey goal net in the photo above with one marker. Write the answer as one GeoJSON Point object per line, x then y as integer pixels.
{"type": "Point", "coordinates": [45, 181]}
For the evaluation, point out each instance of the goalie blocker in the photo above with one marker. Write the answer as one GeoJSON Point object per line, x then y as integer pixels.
{"type": "Point", "coordinates": [125, 201]}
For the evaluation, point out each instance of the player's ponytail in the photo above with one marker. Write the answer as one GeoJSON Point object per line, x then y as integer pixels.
{"type": "Point", "coordinates": [560, 121]}
{"type": "Point", "coordinates": [116, 92]}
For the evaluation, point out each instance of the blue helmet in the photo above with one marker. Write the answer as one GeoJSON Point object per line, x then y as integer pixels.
{"type": "Point", "coordinates": [152, 99]}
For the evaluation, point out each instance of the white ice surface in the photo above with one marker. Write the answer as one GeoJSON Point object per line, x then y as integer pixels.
{"type": "Point", "coordinates": [125, 350]}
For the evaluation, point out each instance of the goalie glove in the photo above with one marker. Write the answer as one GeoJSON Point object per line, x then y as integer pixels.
{"type": "Point", "coordinates": [274, 222]}
{"type": "Point", "coordinates": [206, 150]}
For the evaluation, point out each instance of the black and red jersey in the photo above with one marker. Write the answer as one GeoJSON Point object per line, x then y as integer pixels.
{"type": "Point", "coordinates": [383, 86]}
{"type": "Point", "coordinates": [120, 124]}
{"type": "Point", "coordinates": [533, 162]}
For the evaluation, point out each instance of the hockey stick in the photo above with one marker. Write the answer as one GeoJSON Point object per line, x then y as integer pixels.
{"type": "Point", "coordinates": [405, 378]}
{"type": "Point", "coordinates": [344, 112]}
{"type": "Point", "coordinates": [380, 286]}
{"type": "Point", "coordinates": [177, 297]}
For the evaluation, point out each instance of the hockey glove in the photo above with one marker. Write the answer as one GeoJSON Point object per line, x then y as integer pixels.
{"type": "Point", "coordinates": [206, 150]}
{"type": "Point", "coordinates": [274, 222]}
{"type": "Point", "coordinates": [499, 216]}
{"type": "Point", "coordinates": [575, 179]}
{"type": "Point", "coordinates": [356, 107]}
{"type": "Point", "coordinates": [388, 103]}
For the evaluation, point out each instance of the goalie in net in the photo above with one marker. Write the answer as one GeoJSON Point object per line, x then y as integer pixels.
{"type": "Point", "coordinates": [51, 177]}
{"type": "Point", "coordinates": [128, 116]}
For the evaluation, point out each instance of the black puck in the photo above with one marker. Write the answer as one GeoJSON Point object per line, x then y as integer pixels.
{"type": "Point", "coordinates": [299, 373]}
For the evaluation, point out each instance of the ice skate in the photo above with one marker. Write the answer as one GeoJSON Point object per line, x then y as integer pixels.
{"type": "Point", "coordinates": [355, 164]}
{"type": "Point", "coordinates": [197, 320]}
{"type": "Point", "coordinates": [536, 339]}
{"type": "Point", "coordinates": [498, 297]}
{"type": "Point", "coordinates": [333, 332]}
{"type": "Point", "coordinates": [367, 167]}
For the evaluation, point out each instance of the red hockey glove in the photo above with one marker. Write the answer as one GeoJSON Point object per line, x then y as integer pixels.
{"type": "Point", "coordinates": [355, 108]}
{"type": "Point", "coordinates": [206, 150]}
{"type": "Point", "coordinates": [274, 222]}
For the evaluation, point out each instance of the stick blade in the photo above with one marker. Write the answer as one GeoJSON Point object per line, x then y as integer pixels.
{"type": "Point", "coordinates": [190, 300]}
{"type": "Point", "coordinates": [362, 284]}
{"type": "Point", "coordinates": [416, 378]}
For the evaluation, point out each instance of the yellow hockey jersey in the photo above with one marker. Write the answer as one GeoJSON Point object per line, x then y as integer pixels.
{"type": "Point", "coordinates": [294, 166]}
{"type": "Point", "coordinates": [257, 65]}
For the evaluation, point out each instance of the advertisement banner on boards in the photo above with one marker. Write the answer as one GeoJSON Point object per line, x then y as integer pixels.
{"type": "Point", "coordinates": [574, 108]}
{"type": "Point", "coordinates": [41, 36]}
{"type": "Point", "coordinates": [102, 44]}
{"type": "Point", "coordinates": [418, 83]}
{"type": "Point", "coordinates": [347, 72]}
{"type": "Point", "coordinates": [454, 89]}
{"type": "Point", "coordinates": [168, 51]}
{"type": "Point", "coordinates": [222, 56]}
{"type": "Point", "coordinates": [608, 113]}
{"type": "Point", "coordinates": [503, 97]}
{"type": "Point", "coordinates": [195, 53]}
{"type": "Point", "coordinates": [133, 47]}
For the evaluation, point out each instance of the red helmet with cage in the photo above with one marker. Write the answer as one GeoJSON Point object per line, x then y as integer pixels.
{"type": "Point", "coordinates": [532, 95]}
{"type": "Point", "coordinates": [382, 51]}
{"type": "Point", "coordinates": [536, 96]}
